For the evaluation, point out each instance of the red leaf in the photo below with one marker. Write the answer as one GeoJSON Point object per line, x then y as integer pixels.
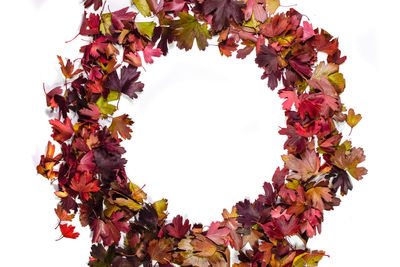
{"type": "Point", "coordinates": [178, 229]}
{"type": "Point", "coordinates": [83, 185]}
{"type": "Point", "coordinates": [253, 6]}
{"type": "Point", "coordinates": [291, 98]}
{"type": "Point", "coordinates": [91, 25]}
{"type": "Point", "coordinates": [93, 112]}
{"type": "Point", "coordinates": [279, 228]}
{"type": "Point", "coordinates": [227, 47]}
{"type": "Point", "coordinates": [86, 163]}
{"type": "Point", "coordinates": [308, 30]}
{"type": "Point", "coordinates": [149, 53]}
{"type": "Point", "coordinates": [121, 15]}
{"type": "Point", "coordinates": [218, 234]}
{"type": "Point", "coordinates": [68, 231]}
{"type": "Point", "coordinates": [119, 221]}
{"type": "Point", "coordinates": [62, 131]}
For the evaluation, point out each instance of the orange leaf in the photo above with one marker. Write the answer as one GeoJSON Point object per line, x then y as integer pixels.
{"type": "Point", "coordinates": [317, 194]}
{"type": "Point", "coordinates": [120, 125]}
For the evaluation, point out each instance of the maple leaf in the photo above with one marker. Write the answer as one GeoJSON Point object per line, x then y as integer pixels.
{"type": "Point", "coordinates": [352, 119]}
{"type": "Point", "coordinates": [121, 15]}
{"type": "Point", "coordinates": [137, 193]}
{"type": "Point", "coordinates": [177, 228]}
{"type": "Point", "coordinates": [324, 42]}
{"type": "Point", "coordinates": [248, 213]}
{"type": "Point", "coordinates": [227, 47]}
{"type": "Point", "coordinates": [63, 215]}
{"type": "Point", "coordinates": [83, 185]}
{"type": "Point", "coordinates": [160, 250]}
{"type": "Point", "coordinates": [92, 112]}
{"type": "Point", "coordinates": [47, 163]}
{"type": "Point", "coordinates": [308, 31]}
{"type": "Point", "coordinates": [223, 11]}
{"type": "Point", "coordinates": [255, 7]}
{"type": "Point", "coordinates": [276, 26]}
{"type": "Point", "coordinates": [127, 83]}
{"type": "Point", "coordinates": [148, 217]}
{"type": "Point", "coordinates": [96, 3]}
{"type": "Point", "coordinates": [291, 98]}
{"type": "Point", "coordinates": [317, 195]}
{"type": "Point", "coordinates": [309, 106]}
{"type": "Point", "coordinates": [203, 246]}
{"type": "Point", "coordinates": [68, 231]}
{"type": "Point", "coordinates": [311, 220]}
{"type": "Point", "coordinates": [218, 234]}
{"type": "Point", "coordinates": [108, 163]}
{"type": "Point", "coordinates": [295, 142]}
{"type": "Point", "coordinates": [269, 195]}
{"type": "Point", "coordinates": [101, 231]}
{"type": "Point", "coordinates": [268, 59]}
{"type": "Point", "coordinates": [149, 53]}
{"type": "Point", "coordinates": [68, 70]}
{"type": "Point", "coordinates": [62, 131]}
{"type": "Point", "coordinates": [266, 248]}
{"type": "Point", "coordinates": [161, 206]}
{"type": "Point", "coordinates": [349, 159]}
{"type": "Point", "coordinates": [120, 125]}
{"type": "Point", "coordinates": [278, 179]}
{"type": "Point", "coordinates": [119, 221]}
{"type": "Point", "coordinates": [193, 259]}
{"type": "Point", "coordinates": [279, 228]}
{"type": "Point", "coordinates": [91, 25]}
{"type": "Point", "coordinates": [186, 29]}
{"type": "Point", "coordinates": [50, 96]}
{"type": "Point", "coordinates": [94, 49]}
{"type": "Point", "coordinates": [305, 167]}
{"type": "Point", "coordinates": [231, 223]}
{"type": "Point", "coordinates": [176, 6]}
{"type": "Point", "coordinates": [86, 163]}
{"type": "Point", "coordinates": [341, 179]}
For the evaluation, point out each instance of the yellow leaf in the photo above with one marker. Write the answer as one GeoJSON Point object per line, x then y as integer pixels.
{"type": "Point", "coordinates": [129, 203]}
{"type": "Point", "coordinates": [161, 206]}
{"type": "Point", "coordinates": [337, 81]}
{"type": "Point", "coordinates": [137, 193]}
{"type": "Point", "coordinates": [353, 119]}
{"type": "Point", "coordinates": [272, 5]}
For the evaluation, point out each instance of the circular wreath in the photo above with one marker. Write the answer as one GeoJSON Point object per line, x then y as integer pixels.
{"type": "Point", "coordinates": [89, 172]}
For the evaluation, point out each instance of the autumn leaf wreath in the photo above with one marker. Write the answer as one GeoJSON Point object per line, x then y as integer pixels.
{"type": "Point", "coordinates": [89, 172]}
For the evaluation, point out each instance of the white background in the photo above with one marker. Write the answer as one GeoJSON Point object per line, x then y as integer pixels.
{"type": "Point", "coordinates": [205, 133]}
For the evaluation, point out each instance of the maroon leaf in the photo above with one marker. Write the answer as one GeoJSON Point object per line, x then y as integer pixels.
{"type": "Point", "coordinates": [223, 11]}
{"type": "Point", "coordinates": [127, 84]}
{"type": "Point", "coordinates": [177, 228]}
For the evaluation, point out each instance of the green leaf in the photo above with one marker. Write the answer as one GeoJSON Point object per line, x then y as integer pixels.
{"type": "Point", "coordinates": [142, 6]}
{"type": "Point", "coordinates": [186, 29]}
{"type": "Point", "coordinates": [104, 106]}
{"type": "Point", "coordinates": [146, 28]}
